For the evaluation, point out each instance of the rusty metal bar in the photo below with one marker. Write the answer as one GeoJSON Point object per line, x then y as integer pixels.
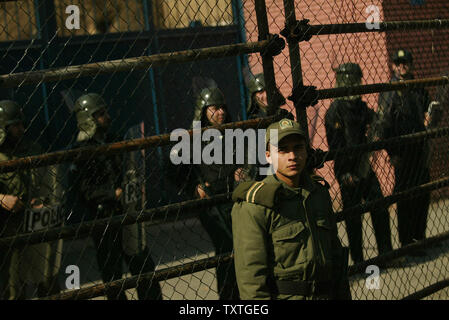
{"type": "Point", "coordinates": [400, 252]}
{"type": "Point", "coordinates": [382, 87]}
{"type": "Point", "coordinates": [168, 213]}
{"type": "Point", "coordinates": [185, 210]}
{"type": "Point", "coordinates": [427, 291]}
{"type": "Point", "coordinates": [161, 140]}
{"type": "Point", "coordinates": [328, 29]}
{"type": "Point", "coordinates": [132, 282]}
{"type": "Point", "coordinates": [382, 144]}
{"type": "Point", "coordinates": [86, 153]}
{"type": "Point", "coordinates": [389, 200]}
{"type": "Point", "coordinates": [143, 62]}
{"type": "Point", "coordinates": [207, 263]}
{"type": "Point", "coordinates": [295, 65]}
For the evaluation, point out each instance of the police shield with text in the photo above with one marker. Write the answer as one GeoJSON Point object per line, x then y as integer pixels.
{"type": "Point", "coordinates": [30, 201]}
{"type": "Point", "coordinates": [101, 189]}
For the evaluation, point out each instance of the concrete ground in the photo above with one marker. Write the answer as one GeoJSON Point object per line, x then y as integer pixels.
{"type": "Point", "coordinates": [186, 241]}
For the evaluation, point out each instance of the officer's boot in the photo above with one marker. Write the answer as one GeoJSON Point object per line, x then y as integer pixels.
{"type": "Point", "coordinates": [404, 214]}
{"type": "Point", "coordinates": [382, 231]}
{"type": "Point", "coordinates": [110, 261]}
{"type": "Point", "coordinates": [48, 288]}
{"type": "Point", "coordinates": [354, 230]}
{"type": "Point", "coordinates": [141, 263]}
{"type": "Point", "coordinates": [226, 282]}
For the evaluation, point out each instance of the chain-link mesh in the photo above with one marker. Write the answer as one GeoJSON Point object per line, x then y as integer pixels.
{"type": "Point", "coordinates": [93, 205]}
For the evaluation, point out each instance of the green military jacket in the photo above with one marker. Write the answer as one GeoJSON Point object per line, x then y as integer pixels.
{"type": "Point", "coordinates": [282, 233]}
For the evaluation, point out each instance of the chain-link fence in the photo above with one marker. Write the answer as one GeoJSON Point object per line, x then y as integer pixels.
{"type": "Point", "coordinates": [93, 205]}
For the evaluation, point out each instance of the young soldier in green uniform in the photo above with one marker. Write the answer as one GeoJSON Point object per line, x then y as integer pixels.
{"type": "Point", "coordinates": [27, 205]}
{"type": "Point", "coordinates": [99, 186]}
{"type": "Point", "coordinates": [285, 235]}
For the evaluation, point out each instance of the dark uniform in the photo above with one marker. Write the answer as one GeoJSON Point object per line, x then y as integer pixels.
{"type": "Point", "coordinates": [286, 244]}
{"type": "Point", "coordinates": [347, 124]}
{"type": "Point", "coordinates": [217, 220]}
{"type": "Point", "coordinates": [96, 183]}
{"type": "Point", "coordinates": [32, 267]}
{"type": "Point", "coordinates": [403, 112]}
{"type": "Point", "coordinates": [256, 108]}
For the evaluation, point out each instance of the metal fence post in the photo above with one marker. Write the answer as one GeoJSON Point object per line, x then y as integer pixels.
{"type": "Point", "coordinates": [295, 63]}
{"type": "Point", "coordinates": [242, 60]}
{"type": "Point", "coordinates": [267, 61]}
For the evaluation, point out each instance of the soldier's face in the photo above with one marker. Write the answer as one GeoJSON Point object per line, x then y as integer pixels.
{"type": "Point", "coordinates": [289, 157]}
{"type": "Point", "coordinates": [402, 70]}
{"type": "Point", "coordinates": [103, 119]}
{"type": "Point", "coordinates": [261, 98]}
{"type": "Point", "coordinates": [16, 131]}
{"type": "Point", "coordinates": [216, 115]}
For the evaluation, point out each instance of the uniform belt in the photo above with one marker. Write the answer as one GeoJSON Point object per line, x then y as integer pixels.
{"type": "Point", "coordinates": [303, 288]}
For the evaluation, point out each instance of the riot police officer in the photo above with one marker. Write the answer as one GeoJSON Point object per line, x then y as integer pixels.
{"type": "Point", "coordinates": [405, 112]}
{"type": "Point", "coordinates": [258, 102]}
{"type": "Point", "coordinates": [348, 121]}
{"type": "Point", "coordinates": [258, 108]}
{"type": "Point", "coordinates": [25, 200]}
{"type": "Point", "coordinates": [99, 187]}
{"type": "Point", "coordinates": [214, 179]}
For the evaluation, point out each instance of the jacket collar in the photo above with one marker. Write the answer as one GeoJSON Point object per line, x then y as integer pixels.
{"type": "Point", "coordinates": [306, 183]}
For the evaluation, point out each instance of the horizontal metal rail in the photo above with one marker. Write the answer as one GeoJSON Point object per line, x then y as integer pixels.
{"type": "Point", "coordinates": [86, 153]}
{"type": "Point", "coordinates": [382, 87]}
{"type": "Point", "coordinates": [132, 282]}
{"type": "Point", "coordinates": [397, 253]}
{"type": "Point", "coordinates": [207, 263]}
{"type": "Point", "coordinates": [185, 210]}
{"type": "Point", "coordinates": [427, 291]}
{"type": "Point", "coordinates": [389, 200]}
{"type": "Point", "coordinates": [171, 212]}
{"type": "Point", "coordinates": [129, 64]}
{"type": "Point", "coordinates": [327, 29]}
{"type": "Point", "coordinates": [164, 139]}
{"type": "Point", "coordinates": [382, 144]}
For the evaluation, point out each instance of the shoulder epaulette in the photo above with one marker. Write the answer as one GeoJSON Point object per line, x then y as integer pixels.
{"type": "Point", "coordinates": [259, 192]}
{"type": "Point", "coordinates": [320, 180]}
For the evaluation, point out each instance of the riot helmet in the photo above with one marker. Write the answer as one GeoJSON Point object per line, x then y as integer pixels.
{"type": "Point", "coordinates": [402, 64]}
{"type": "Point", "coordinates": [10, 113]}
{"type": "Point", "coordinates": [402, 56]}
{"type": "Point", "coordinates": [85, 108]}
{"type": "Point", "coordinates": [209, 97]}
{"type": "Point", "coordinates": [348, 74]}
{"type": "Point", "coordinates": [256, 106]}
{"type": "Point", "coordinates": [256, 83]}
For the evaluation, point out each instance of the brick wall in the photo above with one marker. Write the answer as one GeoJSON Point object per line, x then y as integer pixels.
{"type": "Point", "coordinates": [371, 50]}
